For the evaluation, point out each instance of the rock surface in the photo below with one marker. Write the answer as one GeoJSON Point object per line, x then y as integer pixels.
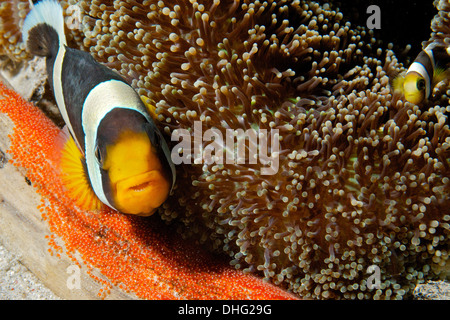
{"type": "Point", "coordinates": [432, 290]}
{"type": "Point", "coordinates": [19, 283]}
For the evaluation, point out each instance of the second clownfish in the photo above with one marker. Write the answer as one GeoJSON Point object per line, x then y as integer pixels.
{"type": "Point", "coordinates": [427, 70]}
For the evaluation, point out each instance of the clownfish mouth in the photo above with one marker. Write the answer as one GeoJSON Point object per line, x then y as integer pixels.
{"type": "Point", "coordinates": [140, 187]}
{"type": "Point", "coordinates": [141, 194]}
{"type": "Point", "coordinates": [413, 98]}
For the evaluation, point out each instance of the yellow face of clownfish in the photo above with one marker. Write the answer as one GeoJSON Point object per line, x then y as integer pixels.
{"type": "Point", "coordinates": [414, 87]}
{"type": "Point", "coordinates": [129, 172]}
{"type": "Point", "coordinates": [138, 184]}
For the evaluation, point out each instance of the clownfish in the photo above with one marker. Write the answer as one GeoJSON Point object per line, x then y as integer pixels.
{"type": "Point", "coordinates": [423, 74]}
{"type": "Point", "coordinates": [115, 155]}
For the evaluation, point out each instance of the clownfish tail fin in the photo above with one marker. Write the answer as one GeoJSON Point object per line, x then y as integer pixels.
{"type": "Point", "coordinates": [43, 28]}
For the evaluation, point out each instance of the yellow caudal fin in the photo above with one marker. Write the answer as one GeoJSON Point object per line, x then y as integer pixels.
{"type": "Point", "coordinates": [397, 83]}
{"type": "Point", "coordinates": [75, 177]}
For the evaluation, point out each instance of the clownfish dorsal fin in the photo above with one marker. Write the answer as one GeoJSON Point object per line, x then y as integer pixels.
{"type": "Point", "coordinates": [74, 175]}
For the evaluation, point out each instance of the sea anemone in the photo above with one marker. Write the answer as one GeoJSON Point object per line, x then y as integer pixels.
{"type": "Point", "coordinates": [12, 14]}
{"type": "Point", "coordinates": [363, 176]}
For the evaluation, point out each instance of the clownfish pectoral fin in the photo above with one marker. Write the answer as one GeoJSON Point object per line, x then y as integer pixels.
{"type": "Point", "coordinates": [397, 82]}
{"type": "Point", "coordinates": [165, 149]}
{"type": "Point", "coordinates": [75, 178]}
{"type": "Point", "coordinates": [167, 155]}
{"type": "Point", "coordinates": [150, 108]}
{"type": "Point", "coordinates": [440, 74]}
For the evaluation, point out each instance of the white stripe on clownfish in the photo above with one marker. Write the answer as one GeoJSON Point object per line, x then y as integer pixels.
{"type": "Point", "coordinates": [420, 69]}
{"type": "Point", "coordinates": [58, 89]}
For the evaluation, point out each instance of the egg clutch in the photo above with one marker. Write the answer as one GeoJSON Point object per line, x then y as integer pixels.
{"type": "Point", "coordinates": [113, 153]}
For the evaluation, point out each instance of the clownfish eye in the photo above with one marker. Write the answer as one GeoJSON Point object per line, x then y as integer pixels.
{"type": "Point", "coordinates": [98, 154]}
{"type": "Point", "coordinates": [420, 84]}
